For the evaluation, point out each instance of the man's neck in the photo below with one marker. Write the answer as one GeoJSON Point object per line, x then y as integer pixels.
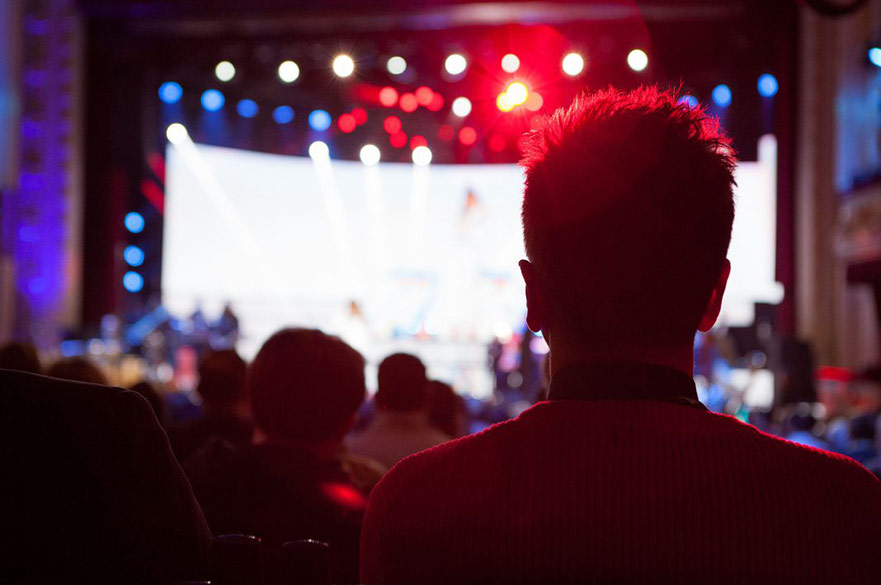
{"type": "Point", "coordinates": [679, 358]}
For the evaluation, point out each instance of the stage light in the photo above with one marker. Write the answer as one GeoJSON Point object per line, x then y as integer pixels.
{"type": "Point", "coordinates": [504, 102]}
{"type": "Point", "coordinates": [343, 65]}
{"type": "Point", "coordinates": [573, 64]}
{"type": "Point", "coordinates": [212, 100]}
{"type": "Point", "coordinates": [370, 155]}
{"type": "Point", "coordinates": [461, 106]}
{"type": "Point", "coordinates": [319, 120]}
{"type": "Point", "coordinates": [392, 124]}
{"type": "Point", "coordinates": [283, 115]}
{"type": "Point", "coordinates": [637, 60]}
{"type": "Point", "coordinates": [467, 135]}
{"type": "Point", "coordinates": [409, 103]}
{"type": "Point", "coordinates": [319, 151]}
{"type": "Point", "coordinates": [133, 255]}
{"type": "Point", "coordinates": [436, 104]}
{"type": "Point", "coordinates": [396, 65]}
{"type": "Point", "coordinates": [689, 100]}
{"type": "Point", "coordinates": [875, 56]}
{"type": "Point", "coordinates": [134, 222]}
{"type": "Point", "coordinates": [424, 95]}
{"type": "Point", "coordinates": [534, 102]}
{"type": "Point", "coordinates": [247, 108]}
{"type": "Point", "coordinates": [510, 63]}
{"type": "Point", "coordinates": [288, 71]}
{"type": "Point", "coordinates": [517, 93]}
{"type": "Point", "coordinates": [225, 71]}
{"type": "Point", "coordinates": [456, 64]}
{"type": "Point", "coordinates": [722, 95]}
{"type": "Point", "coordinates": [176, 133]}
{"type": "Point", "coordinates": [170, 92]}
{"type": "Point", "coordinates": [388, 96]}
{"type": "Point", "coordinates": [418, 141]}
{"type": "Point", "coordinates": [360, 115]}
{"type": "Point", "coordinates": [768, 85]}
{"type": "Point", "coordinates": [347, 123]}
{"type": "Point", "coordinates": [398, 139]}
{"type": "Point", "coordinates": [421, 156]}
{"type": "Point", "coordinates": [132, 281]}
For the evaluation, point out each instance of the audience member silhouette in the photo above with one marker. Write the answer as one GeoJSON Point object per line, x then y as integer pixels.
{"type": "Point", "coordinates": [91, 492]}
{"type": "Point", "coordinates": [21, 357]}
{"type": "Point", "coordinates": [622, 476]}
{"type": "Point", "coordinates": [295, 481]}
{"type": "Point", "coordinates": [153, 398]}
{"type": "Point", "coordinates": [224, 405]}
{"type": "Point", "coordinates": [446, 409]}
{"type": "Point", "coordinates": [401, 426]}
{"type": "Point", "coordinates": [77, 369]}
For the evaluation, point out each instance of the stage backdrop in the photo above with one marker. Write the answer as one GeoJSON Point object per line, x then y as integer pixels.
{"type": "Point", "coordinates": [393, 257]}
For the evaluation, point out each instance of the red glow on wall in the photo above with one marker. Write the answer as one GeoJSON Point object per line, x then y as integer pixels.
{"type": "Point", "coordinates": [418, 141]}
{"type": "Point", "coordinates": [392, 124]}
{"type": "Point", "coordinates": [467, 135]}
{"type": "Point", "coordinates": [497, 143]}
{"type": "Point", "coordinates": [347, 123]}
{"type": "Point", "coordinates": [388, 96]}
{"type": "Point", "coordinates": [409, 103]}
{"type": "Point", "coordinates": [398, 139]}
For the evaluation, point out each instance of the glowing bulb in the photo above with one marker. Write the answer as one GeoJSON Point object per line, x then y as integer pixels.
{"type": "Point", "coordinates": [510, 63]}
{"type": "Point", "coordinates": [637, 60]}
{"type": "Point", "coordinates": [288, 71]}
{"type": "Point", "coordinates": [573, 64]}
{"type": "Point", "coordinates": [396, 65]}
{"type": "Point", "coordinates": [370, 155]}
{"type": "Point", "coordinates": [176, 133]}
{"type": "Point", "coordinates": [461, 106]}
{"type": "Point", "coordinates": [319, 151]}
{"type": "Point", "coordinates": [225, 71]}
{"type": "Point", "coordinates": [517, 93]}
{"type": "Point", "coordinates": [343, 65]}
{"type": "Point", "coordinates": [504, 102]}
{"type": "Point", "coordinates": [421, 156]}
{"type": "Point", "coordinates": [456, 64]}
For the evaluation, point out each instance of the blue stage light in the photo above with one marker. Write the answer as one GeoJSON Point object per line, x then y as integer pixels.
{"type": "Point", "coordinates": [319, 120]}
{"type": "Point", "coordinates": [875, 56]}
{"type": "Point", "coordinates": [283, 114]}
{"type": "Point", "coordinates": [768, 85]}
{"type": "Point", "coordinates": [134, 222]}
{"type": "Point", "coordinates": [212, 100]}
{"type": "Point", "coordinates": [247, 108]}
{"type": "Point", "coordinates": [722, 95]}
{"type": "Point", "coordinates": [132, 281]}
{"type": "Point", "coordinates": [689, 100]}
{"type": "Point", "coordinates": [133, 255]}
{"type": "Point", "coordinates": [170, 92]}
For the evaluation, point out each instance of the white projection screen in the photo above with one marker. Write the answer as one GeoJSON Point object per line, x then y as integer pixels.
{"type": "Point", "coordinates": [393, 257]}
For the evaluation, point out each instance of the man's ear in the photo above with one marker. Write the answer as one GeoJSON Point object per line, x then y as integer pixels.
{"type": "Point", "coordinates": [711, 313]}
{"type": "Point", "coordinates": [536, 309]}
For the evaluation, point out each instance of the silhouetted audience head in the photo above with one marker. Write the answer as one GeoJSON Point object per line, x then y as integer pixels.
{"type": "Point", "coordinates": [402, 385]}
{"type": "Point", "coordinates": [446, 409]}
{"type": "Point", "coordinates": [802, 418]}
{"type": "Point", "coordinates": [627, 216]}
{"type": "Point", "coordinates": [77, 369]}
{"type": "Point", "coordinates": [306, 386]}
{"type": "Point", "coordinates": [22, 357]}
{"type": "Point", "coordinates": [222, 376]}
{"type": "Point", "coordinates": [147, 390]}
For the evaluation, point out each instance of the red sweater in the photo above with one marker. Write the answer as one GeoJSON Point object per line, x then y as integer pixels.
{"type": "Point", "coordinates": [592, 490]}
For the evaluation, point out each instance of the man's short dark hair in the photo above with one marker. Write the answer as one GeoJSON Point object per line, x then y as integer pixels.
{"type": "Point", "coordinates": [403, 385]}
{"type": "Point", "coordinates": [305, 385]}
{"type": "Point", "coordinates": [222, 377]}
{"type": "Point", "coordinates": [627, 215]}
{"type": "Point", "coordinates": [22, 357]}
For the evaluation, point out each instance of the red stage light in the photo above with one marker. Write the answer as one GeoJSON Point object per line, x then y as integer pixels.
{"type": "Point", "coordinates": [388, 96]}
{"type": "Point", "coordinates": [446, 132]}
{"type": "Point", "coordinates": [392, 124]}
{"type": "Point", "coordinates": [424, 95]}
{"type": "Point", "coordinates": [398, 139]}
{"type": "Point", "coordinates": [467, 135]}
{"type": "Point", "coordinates": [409, 103]}
{"type": "Point", "coordinates": [436, 103]}
{"type": "Point", "coordinates": [347, 123]}
{"type": "Point", "coordinates": [360, 115]}
{"type": "Point", "coordinates": [497, 143]}
{"type": "Point", "coordinates": [418, 141]}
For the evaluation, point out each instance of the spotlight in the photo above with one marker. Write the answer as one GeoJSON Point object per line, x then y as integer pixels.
{"type": "Point", "coordinates": [132, 281]}
{"type": "Point", "coordinates": [418, 141]}
{"type": "Point", "coordinates": [247, 108]}
{"type": "Point", "coordinates": [225, 71]}
{"type": "Point", "coordinates": [689, 100]}
{"type": "Point", "coordinates": [176, 133]}
{"type": "Point", "coordinates": [370, 155]}
{"type": "Point", "coordinates": [283, 115]}
{"type": "Point", "coordinates": [409, 103]}
{"type": "Point", "coordinates": [875, 56]}
{"type": "Point", "coordinates": [768, 85]}
{"type": "Point", "coordinates": [424, 95]}
{"type": "Point", "coordinates": [212, 100]}
{"type": "Point", "coordinates": [133, 255]}
{"type": "Point", "coordinates": [722, 95]}
{"type": "Point", "coordinates": [421, 156]}
{"type": "Point", "coordinates": [288, 71]}
{"type": "Point", "coordinates": [467, 135]}
{"type": "Point", "coordinates": [456, 64]}
{"type": "Point", "coordinates": [396, 65]}
{"type": "Point", "coordinates": [461, 106]}
{"type": "Point", "coordinates": [534, 102]}
{"type": "Point", "coordinates": [134, 222]}
{"type": "Point", "coordinates": [436, 104]}
{"type": "Point", "coordinates": [510, 63]}
{"type": "Point", "coordinates": [504, 102]}
{"type": "Point", "coordinates": [360, 115]}
{"type": "Point", "coordinates": [347, 123]}
{"type": "Point", "coordinates": [319, 120]}
{"type": "Point", "coordinates": [392, 124]}
{"type": "Point", "coordinates": [170, 92]}
{"type": "Point", "coordinates": [388, 96]}
{"type": "Point", "coordinates": [319, 151]}
{"type": "Point", "coordinates": [398, 139]}
{"type": "Point", "coordinates": [637, 60]}
{"type": "Point", "coordinates": [517, 93]}
{"type": "Point", "coordinates": [343, 65]}
{"type": "Point", "coordinates": [573, 64]}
